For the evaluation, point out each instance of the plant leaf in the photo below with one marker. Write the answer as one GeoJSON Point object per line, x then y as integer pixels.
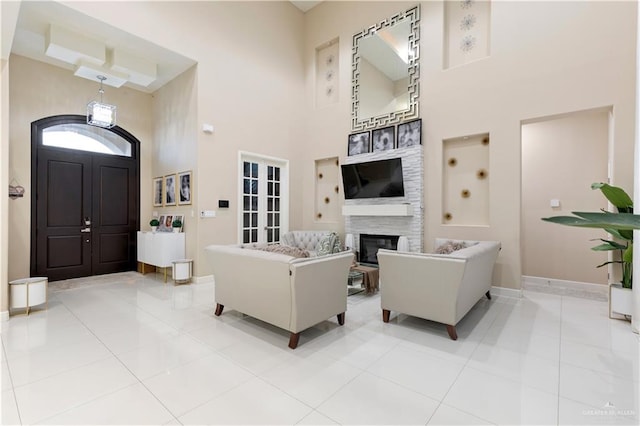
{"type": "Point", "coordinates": [608, 246]}
{"type": "Point", "coordinates": [616, 196]}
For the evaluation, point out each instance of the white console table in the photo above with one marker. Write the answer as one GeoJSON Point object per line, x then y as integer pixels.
{"type": "Point", "coordinates": [160, 249]}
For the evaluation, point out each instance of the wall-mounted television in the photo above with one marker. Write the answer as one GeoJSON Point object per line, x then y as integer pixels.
{"type": "Point", "coordinates": [373, 179]}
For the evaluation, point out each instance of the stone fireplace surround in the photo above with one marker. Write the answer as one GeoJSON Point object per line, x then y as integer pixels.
{"type": "Point", "coordinates": [398, 216]}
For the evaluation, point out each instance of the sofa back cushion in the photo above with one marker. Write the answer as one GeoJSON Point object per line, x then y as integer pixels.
{"type": "Point", "coordinates": [307, 240]}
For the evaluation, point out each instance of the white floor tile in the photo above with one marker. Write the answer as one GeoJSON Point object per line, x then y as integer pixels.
{"type": "Point", "coordinates": [311, 379]}
{"type": "Point", "coordinates": [133, 405]}
{"type": "Point", "coordinates": [41, 364]}
{"type": "Point", "coordinates": [372, 400]}
{"type": "Point", "coordinates": [5, 377]}
{"type": "Point", "coordinates": [432, 378]}
{"type": "Point", "coordinates": [149, 360]}
{"type": "Point", "coordinates": [56, 394]}
{"type": "Point", "coordinates": [315, 418]}
{"type": "Point", "coordinates": [598, 389]}
{"type": "Point", "coordinates": [530, 370]}
{"type": "Point", "coordinates": [501, 401]}
{"type": "Point", "coordinates": [576, 413]}
{"type": "Point", "coordinates": [191, 385]}
{"type": "Point", "coordinates": [9, 412]}
{"type": "Point", "coordinates": [446, 415]}
{"type": "Point", "coordinates": [269, 405]}
{"type": "Point", "coordinates": [511, 357]}
{"type": "Point", "coordinates": [623, 364]}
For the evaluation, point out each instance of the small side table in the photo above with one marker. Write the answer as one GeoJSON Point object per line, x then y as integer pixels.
{"type": "Point", "coordinates": [28, 292]}
{"type": "Point", "coordinates": [182, 270]}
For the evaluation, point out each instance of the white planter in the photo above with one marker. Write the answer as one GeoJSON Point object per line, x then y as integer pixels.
{"type": "Point", "coordinates": [176, 230]}
{"type": "Point", "coordinates": [620, 300]}
{"type": "Point", "coordinates": [154, 228]}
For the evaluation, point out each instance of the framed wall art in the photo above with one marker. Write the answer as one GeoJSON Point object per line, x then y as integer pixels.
{"type": "Point", "coordinates": [383, 139]}
{"type": "Point", "coordinates": [157, 192]}
{"type": "Point", "coordinates": [170, 190]}
{"type": "Point", "coordinates": [185, 187]}
{"type": "Point", "coordinates": [410, 133]}
{"type": "Point", "coordinates": [359, 143]}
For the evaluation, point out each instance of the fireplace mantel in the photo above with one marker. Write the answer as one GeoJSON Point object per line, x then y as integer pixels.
{"type": "Point", "coordinates": [377, 210]}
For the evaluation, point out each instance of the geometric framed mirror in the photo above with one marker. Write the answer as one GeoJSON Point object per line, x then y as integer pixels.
{"type": "Point", "coordinates": [386, 72]}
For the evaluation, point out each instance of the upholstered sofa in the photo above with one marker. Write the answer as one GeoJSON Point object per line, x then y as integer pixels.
{"type": "Point", "coordinates": [285, 291]}
{"type": "Point", "coordinates": [308, 240]}
{"type": "Point", "coordinates": [437, 287]}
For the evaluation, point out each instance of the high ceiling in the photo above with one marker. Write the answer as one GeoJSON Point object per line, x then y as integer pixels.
{"type": "Point", "coordinates": [305, 5]}
{"type": "Point", "coordinates": [137, 56]}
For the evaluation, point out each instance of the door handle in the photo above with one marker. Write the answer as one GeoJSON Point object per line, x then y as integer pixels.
{"type": "Point", "coordinates": [85, 230]}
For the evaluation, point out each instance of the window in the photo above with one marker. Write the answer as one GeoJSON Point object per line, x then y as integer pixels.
{"type": "Point", "coordinates": [83, 137]}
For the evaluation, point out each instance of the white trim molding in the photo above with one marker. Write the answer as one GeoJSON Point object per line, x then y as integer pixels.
{"type": "Point", "coordinates": [4, 316]}
{"type": "Point", "coordinates": [203, 279]}
{"type": "Point", "coordinates": [515, 293]}
{"type": "Point", "coordinates": [566, 288]}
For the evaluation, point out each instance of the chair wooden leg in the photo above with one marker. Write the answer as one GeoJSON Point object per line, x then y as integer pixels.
{"type": "Point", "coordinates": [488, 294]}
{"type": "Point", "coordinates": [341, 318]}
{"type": "Point", "coordinates": [293, 340]}
{"type": "Point", "coordinates": [385, 315]}
{"type": "Point", "coordinates": [451, 329]}
{"type": "Point", "coordinates": [219, 309]}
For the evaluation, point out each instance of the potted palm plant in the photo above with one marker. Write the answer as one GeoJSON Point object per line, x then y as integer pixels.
{"type": "Point", "coordinates": [154, 224]}
{"type": "Point", "coordinates": [620, 225]}
{"type": "Point", "coordinates": [177, 225]}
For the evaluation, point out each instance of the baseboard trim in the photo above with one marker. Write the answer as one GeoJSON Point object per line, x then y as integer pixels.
{"type": "Point", "coordinates": [203, 279]}
{"type": "Point", "coordinates": [566, 288]}
{"type": "Point", "coordinates": [506, 292]}
{"type": "Point", "coordinates": [4, 316]}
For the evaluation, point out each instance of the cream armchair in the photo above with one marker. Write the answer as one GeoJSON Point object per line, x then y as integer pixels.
{"type": "Point", "coordinates": [288, 292]}
{"type": "Point", "coordinates": [437, 287]}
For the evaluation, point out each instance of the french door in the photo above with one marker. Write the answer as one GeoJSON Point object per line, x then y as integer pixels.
{"type": "Point", "coordinates": [264, 199]}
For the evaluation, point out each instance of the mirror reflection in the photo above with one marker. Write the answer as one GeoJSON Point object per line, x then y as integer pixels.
{"type": "Point", "coordinates": [385, 71]}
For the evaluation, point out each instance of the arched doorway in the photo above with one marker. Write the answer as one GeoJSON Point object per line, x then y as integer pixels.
{"type": "Point", "coordinates": [85, 187]}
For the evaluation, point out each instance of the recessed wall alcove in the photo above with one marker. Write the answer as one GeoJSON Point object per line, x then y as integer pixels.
{"type": "Point", "coordinates": [465, 180]}
{"type": "Point", "coordinates": [327, 208]}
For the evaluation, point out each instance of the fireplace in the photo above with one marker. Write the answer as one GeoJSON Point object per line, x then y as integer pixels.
{"type": "Point", "coordinates": [369, 245]}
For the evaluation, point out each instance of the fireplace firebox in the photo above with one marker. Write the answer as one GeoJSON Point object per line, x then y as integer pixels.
{"type": "Point", "coordinates": [369, 245]}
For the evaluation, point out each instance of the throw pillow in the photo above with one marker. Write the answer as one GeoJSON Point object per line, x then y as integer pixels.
{"type": "Point", "coordinates": [288, 250]}
{"type": "Point", "coordinates": [330, 243]}
{"type": "Point", "coordinates": [449, 247]}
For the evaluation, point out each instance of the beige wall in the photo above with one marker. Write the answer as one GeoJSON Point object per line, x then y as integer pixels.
{"type": "Point", "coordinates": [255, 83]}
{"type": "Point", "coordinates": [38, 90]}
{"type": "Point", "coordinates": [175, 150]}
{"type": "Point", "coordinates": [561, 157]}
{"type": "Point", "coordinates": [249, 86]}
{"type": "Point", "coordinates": [546, 58]}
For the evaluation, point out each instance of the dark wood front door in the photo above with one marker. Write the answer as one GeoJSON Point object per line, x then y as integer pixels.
{"type": "Point", "coordinates": [85, 214]}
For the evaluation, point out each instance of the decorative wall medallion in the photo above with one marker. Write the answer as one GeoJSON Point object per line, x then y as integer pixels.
{"type": "Point", "coordinates": [330, 59]}
{"type": "Point", "coordinates": [481, 174]}
{"type": "Point", "coordinates": [329, 75]}
{"type": "Point", "coordinates": [452, 162]}
{"type": "Point", "coordinates": [329, 90]}
{"type": "Point", "coordinates": [466, 4]}
{"type": "Point", "coordinates": [326, 200]}
{"type": "Point", "coordinates": [448, 216]}
{"type": "Point", "coordinates": [468, 43]}
{"type": "Point", "coordinates": [467, 22]}
{"type": "Point", "coordinates": [337, 189]}
{"type": "Point", "coordinates": [320, 175]}
{"type": "Point", "coordinates": [485, 140]}
{"type": "Point", "coordinates": [465, 193]}
{"type": "Point", "coordinates": [319, 215]}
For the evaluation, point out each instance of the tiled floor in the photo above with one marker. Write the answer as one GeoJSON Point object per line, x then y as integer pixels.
{"type": "Point", "coordinates": [128, 349]}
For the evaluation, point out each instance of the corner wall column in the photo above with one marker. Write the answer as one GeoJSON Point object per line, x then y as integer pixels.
{"type": "Point", "coordinates": [635, 317]}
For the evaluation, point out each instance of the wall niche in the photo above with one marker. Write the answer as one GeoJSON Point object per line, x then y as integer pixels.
{"type": "Point", "coordinates": [327, 207]}
{"type": "Point", "coordinates": [467, 27]}
{"type": "Point", "coordinates": [465, 180]}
